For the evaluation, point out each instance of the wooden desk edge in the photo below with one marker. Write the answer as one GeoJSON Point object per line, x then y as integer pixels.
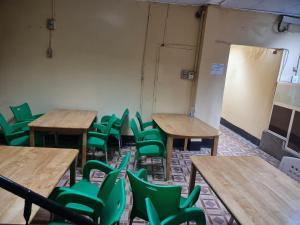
{"type": "Point", "coordinates": [193, 181]}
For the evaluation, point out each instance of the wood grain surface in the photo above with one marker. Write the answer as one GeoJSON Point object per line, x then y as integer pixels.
{"type": "Point", "coordinates": [38, 169]}
{"type": "Point", "coordinates": [254, 191]}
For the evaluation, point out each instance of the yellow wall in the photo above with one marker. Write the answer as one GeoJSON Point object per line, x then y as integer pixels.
{"type": "Point", "coordinates": [223, 28]}
{"type": "Point", "coordinates": [98, 53]}
{"type": "Point", "coordinates": [250, 85]}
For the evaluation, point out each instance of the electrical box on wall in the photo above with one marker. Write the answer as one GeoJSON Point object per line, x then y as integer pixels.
{"type": "Point", "coordinates": [51, 24]}
{"type": "Point", "coordinates": [187, 74]}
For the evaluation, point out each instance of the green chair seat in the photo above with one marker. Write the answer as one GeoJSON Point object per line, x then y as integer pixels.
{"type": "Point", "coordinates": [85, 187]}
{"type": "Point", "coordinates": [149, 150]}
{"type": "Point", "coordinates": [94, 141]}
{"type": "Point", "coordinates": [81, 208]}
{"type": "Point", "coordinates": [21, 141]}
{"type": "Point", "coordinates": [88, 187]}
{"type": "Point", "coordinates": [152, 137]}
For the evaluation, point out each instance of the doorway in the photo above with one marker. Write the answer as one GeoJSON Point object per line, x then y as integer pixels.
{"type": "Point", "coordinates": [250, 85]}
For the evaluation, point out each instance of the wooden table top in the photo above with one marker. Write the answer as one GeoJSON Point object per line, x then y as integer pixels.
{"type": "Point", "coordinates": [39, 169]}
{"type": "Point", "coordinates": [65, 118]}
{"type": "Point", "coordinates": [253, 190]}
{"type": "Point", "coordinates": [184, 126]}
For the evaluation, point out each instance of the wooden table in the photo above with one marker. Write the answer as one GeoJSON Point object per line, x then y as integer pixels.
{"type": "Point", "coordinates": [251, 189]}
{"type": "Point", "coordinates": [67, 122]}
{"type": "Point", "coordinates": [38, 169]}
{"type": "Point", "coordinates": [182, 126]}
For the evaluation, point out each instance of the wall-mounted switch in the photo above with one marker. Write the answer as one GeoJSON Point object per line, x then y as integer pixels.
{"type": "Point", "coordinates": [187, 74]}
{"type": "Point", "coordinates": [51, 24]}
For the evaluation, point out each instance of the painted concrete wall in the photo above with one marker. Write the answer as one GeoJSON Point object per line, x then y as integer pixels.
{"type": "Point", "coordinates": [98, 53]}
{"type": "Point", "coordinates": [250, 85]}
{"type": "Point", "coordinates": [223, 28]}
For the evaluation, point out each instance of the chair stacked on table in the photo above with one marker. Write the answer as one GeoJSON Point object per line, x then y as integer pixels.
{"type": "Point", "coordinates": [17, 134]}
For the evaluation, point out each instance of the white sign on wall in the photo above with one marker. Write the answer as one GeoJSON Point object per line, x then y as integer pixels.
{"type": "Point", "coordinates": [217, 69]}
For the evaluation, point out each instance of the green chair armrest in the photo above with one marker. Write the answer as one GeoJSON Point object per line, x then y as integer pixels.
{"type": "Point", "coordinates": [97, 134]}
{"type": "Point", "coordinates": [142, 174]}
{"type": "Point", "coordinates": [19, 125]}
{"type": "Point", "coordinates": [192, 198]}
{"type": "Point", "coordinates": [158, 143]}
{"type": "Point", "coordinates": [57, 191]}
{"type": "Point", "coordinates": [97, 165]}
{"type": "Point", "coordinates": [189, 214]}
{"type": "Point", "coordinates": [17, 134]}
{"type": "Point", "coordinates": [100, 126]}
{"type": "Point", "coordinates": [37, 115]}
{"type": "Point", "coordinates": [73, 196]}
{"type": "Point", "coordinates": [148, 124]}
{"type": "Point", "coordinates": [144, 133]}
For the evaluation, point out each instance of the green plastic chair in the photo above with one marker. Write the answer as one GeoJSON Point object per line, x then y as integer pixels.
{"type": "Point", "coordinates": [116, 131]}
{"type": "Point", "coordinates": [15, 134]}
{"type": "Point", "coordinates": [109, 212]}
{"type": "Point", "coordinates": [144, 125]}
{"type": "Point", "coordinates": [23, 113]}
{"type": "Point", "coordinates": [145, 146]}
{"type": "Point", "coordinates": [168, 198]}
{"type": "Point", "coordinates": [186, 215]}
{"type": "Point", "coordinates": [98, 139]}
{"type": "Point", "coordinates": [85, 187]}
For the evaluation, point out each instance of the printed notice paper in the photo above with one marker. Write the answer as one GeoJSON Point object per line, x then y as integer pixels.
{"type": "Point", "coordinates": [217, 69]}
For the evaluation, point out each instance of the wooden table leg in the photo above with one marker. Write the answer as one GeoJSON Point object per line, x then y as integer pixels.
{"type": "Point", "coordinates": [214, 149]}
{"type": "Point", "coordinates": [192, 178]}
{"type": "Point", "coordinates": [32, 138]}
{"type": "Point", "coordinates": [83, 152]}
{"type": "Point", "coordinates": [169, 156]}
{"type": "Point", "coordinates": [185, 144]}
{"type": "Point", "coordinates": [73, 172]}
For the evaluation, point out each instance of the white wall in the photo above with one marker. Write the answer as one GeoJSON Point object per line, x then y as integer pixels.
{"type": "Point", "coordinates": [98, 47]}
{"type": "Point", "coordinates": [98, 53]}
{"type": "Point", "coordinates": [223, 28]}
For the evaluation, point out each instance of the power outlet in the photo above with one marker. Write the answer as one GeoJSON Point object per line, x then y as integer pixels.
{"type": "Point", "coordinates": [187, 74]}
{"type": "Point", "coordinates": [51, 24]}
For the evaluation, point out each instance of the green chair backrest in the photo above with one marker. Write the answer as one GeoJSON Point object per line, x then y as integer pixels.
{"type": "Point", "coordinates": [134, 129]}
{"type": "Point", "coordinates": [115, 205]}
{"type": "Point", "coordinates": [124, 116]}
{"type": "Point", "coordinates": [108, 184]}
{"type": "Point", "coordinates": [111, 121]}
{"type": "Point", "coordinates": [21, 112]}
{"type": "Point", "coordinates": [152, 213]}
{"type": "Point", "coordinates": [139, 117]}
{"type": "Point", "coordinates": [5, 126]}
{"type": "Point", "coordinates": [124, 162]}
{"type": "Point", "coordinates": [166, 198]}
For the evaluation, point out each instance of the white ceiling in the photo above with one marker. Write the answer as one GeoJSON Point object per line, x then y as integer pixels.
{"type": "Point", "coordinates": [288, 7]}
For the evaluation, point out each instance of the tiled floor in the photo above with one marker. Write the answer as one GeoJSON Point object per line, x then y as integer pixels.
{"type": "Point", "coordinates": [230, 144]}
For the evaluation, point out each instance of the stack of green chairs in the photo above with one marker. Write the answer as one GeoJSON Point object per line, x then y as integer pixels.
{"type": "Point", "coordinates": [168, 198]}
{"type": "Point", "coordinates": [148, 143]}
{"type": "Point", "coordinates": [186, 215]}
{"type": "Point", "coordinates": [116, 131]}
{"type": "Point", "coordinates": [23, 113]}
{"type": "Point", "coordinates": [85, 188]}
{"type": "Point", "coordinates": [15, 134]}
{"type": "Point", "coordinates": [109, 212]}
{"type": "Point", "coordinates": [98, 139]}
